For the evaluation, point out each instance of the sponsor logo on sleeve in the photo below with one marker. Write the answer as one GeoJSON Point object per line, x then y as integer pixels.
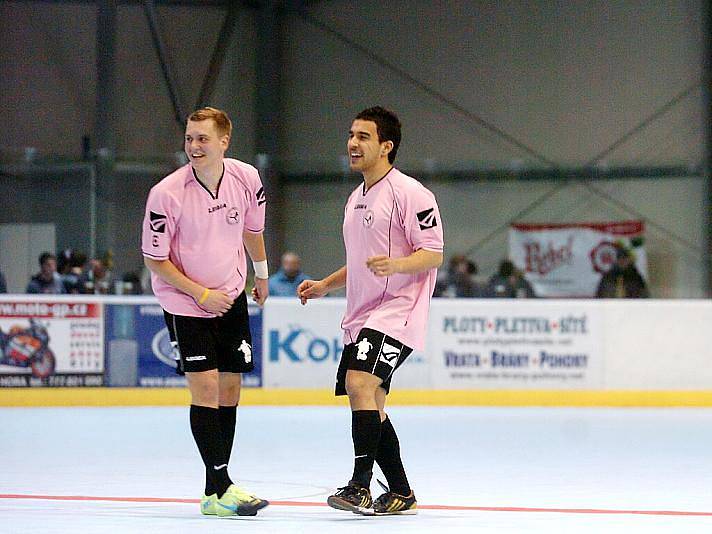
{"type": "Point", "coordinates": [261, 197]}
{"type": "Point", "coordinates": [427, 219]}
{"type": "Point", "coordinates": [158, 222]}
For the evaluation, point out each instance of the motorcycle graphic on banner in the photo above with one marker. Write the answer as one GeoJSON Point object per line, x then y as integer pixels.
{"type": "Point", "coordinates": [51, 343]}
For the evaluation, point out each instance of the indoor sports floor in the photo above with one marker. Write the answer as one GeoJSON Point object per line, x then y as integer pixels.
{"type": "Point", "coordinates": [541, 470]}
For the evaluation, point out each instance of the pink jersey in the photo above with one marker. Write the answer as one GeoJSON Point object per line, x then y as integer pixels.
{"type": "Point", "coordinates": [394, 218]}
{"type": "Point", "coordinates": [202, 234]}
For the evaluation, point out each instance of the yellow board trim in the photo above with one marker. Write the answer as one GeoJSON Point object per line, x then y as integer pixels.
{"type": "Point", "coordinates": [325, 397]}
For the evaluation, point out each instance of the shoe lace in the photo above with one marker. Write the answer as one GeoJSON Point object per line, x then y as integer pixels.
{"type": "Point", "coordinates": [349, 490]}
{"type": "Point", "coordinates": [383, 498]}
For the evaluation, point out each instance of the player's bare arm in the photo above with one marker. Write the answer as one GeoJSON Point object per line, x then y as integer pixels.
{"type": "Point", "coordinates": [214, 301]}
{"type": "Point", "coordinates": [314, 289]}
{"type": "Point", "coordinates": [255, 245]}
{"type": "Point", "coordinates": [421, 260]}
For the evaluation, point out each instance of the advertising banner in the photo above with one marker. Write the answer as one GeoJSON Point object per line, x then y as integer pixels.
{"type": "Point", "coordinates": [302, 344]}
{"type": "Point", "coordinates": [516, 344]}
{"type": "Point", "coordinates": [140, 351]}
{"type": "Point", "coordinates": [567, 260]}
{"type": "Point", "coordinates": [51, 343]}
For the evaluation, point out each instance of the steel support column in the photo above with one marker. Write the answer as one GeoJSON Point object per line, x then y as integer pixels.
{"type": "Point", "coordinates": [270, 17]}
{"type": "Point", "coordinates": [707, 163]}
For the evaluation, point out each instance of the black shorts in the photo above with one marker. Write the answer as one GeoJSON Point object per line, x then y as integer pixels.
{"type": "Point", "coordinates": [374, 352]}
{"type": "Point", "coordinates": [206, 343]}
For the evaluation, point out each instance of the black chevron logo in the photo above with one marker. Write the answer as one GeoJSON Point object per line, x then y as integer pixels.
{"type": "Point", "coordinates": [158, 222]}
{"type": "Point", "coordinates": [261, 197]}
{"type": "Point", "coordinates": [427, 219]}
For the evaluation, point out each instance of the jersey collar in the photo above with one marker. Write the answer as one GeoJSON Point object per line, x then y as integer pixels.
{"type": "Point", "coordinates": [217, 192]}
{"type": "Point", "coordinates": [363, 185]}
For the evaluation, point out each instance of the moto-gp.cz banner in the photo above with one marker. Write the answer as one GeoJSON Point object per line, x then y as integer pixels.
{"type": "Point", "coordinates": [514, 344]}
{"type": "Point", "coordinates": [568, 260]}
{"type": "Point", "coordinates": [51, 343]}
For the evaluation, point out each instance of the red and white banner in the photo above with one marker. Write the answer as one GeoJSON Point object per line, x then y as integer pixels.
{"type": "Point", "coordinates": [567, 260]}
{"type": "Point", "coordinates": [51, 342]}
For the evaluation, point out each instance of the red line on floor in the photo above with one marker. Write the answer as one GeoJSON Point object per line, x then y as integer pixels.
{"type": "Point", "coordinates": [420, 506]}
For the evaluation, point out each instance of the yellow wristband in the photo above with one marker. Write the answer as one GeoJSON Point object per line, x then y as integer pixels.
{"type": "Point", "coordinates": [204, 296]}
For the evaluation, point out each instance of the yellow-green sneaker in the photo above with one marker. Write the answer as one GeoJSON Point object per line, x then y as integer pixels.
{"type": "Point", "coordinates": [236, 501]}
{"type": "Point", "coordinates": [208, 504]}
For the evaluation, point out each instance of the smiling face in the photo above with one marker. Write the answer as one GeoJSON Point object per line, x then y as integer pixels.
{"type": "Point", "coordinates": [204, 145]}
{"type": "Point", "coordinates": [366, 152]}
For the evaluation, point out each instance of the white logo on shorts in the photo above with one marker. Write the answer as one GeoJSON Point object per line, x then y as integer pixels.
{"type": "Point", "coordinates": [363, 347]}
{"type": "Point", "coordinates": [195, 358]}
{"type": "Point", "coordinates": [389, 355]}
{"type": "Point", "coordinates": [246, 350]}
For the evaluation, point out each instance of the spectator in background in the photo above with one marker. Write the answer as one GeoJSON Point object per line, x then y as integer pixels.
{"type": "Point", "coordinates": [509, 282]}
{"type": "Point", "coordinates": [96, 278]}
{"type": "Point", "coordinates": [459, 279]}
{"type": "Point", "coordinates": [70, 265]}
{"type": "Point", "coordinates": [3, 283]}
{"type": "Point", "coordinates": [48, 280]}
{"type": "Point", "coordinates": [130, 284]}
{"type": "Point", "coordinates": [623, 280]}
{"type": "Point", "coordinates": [284, 282]}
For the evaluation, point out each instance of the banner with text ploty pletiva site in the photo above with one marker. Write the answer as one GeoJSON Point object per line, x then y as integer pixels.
{"type": "Point", "coordinates": [568, 259]}
{"type": "Point", "coordinates": [515, 344]}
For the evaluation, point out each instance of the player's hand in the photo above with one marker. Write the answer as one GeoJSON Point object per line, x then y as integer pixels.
{"type": "Point", "coordinates": [382, 265]}
{"type": "Point", "coordinates": [260, 291]}
{"type": "Point", "coordinates": [218, 302]}
{"type": "Point", "coordinates": [311, 289]}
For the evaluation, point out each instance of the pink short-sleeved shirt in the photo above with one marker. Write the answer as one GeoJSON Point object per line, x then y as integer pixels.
{"type": "Point", "coordinates": [395, 217]}
{"type": "Point", "coordinates": [201, 234]}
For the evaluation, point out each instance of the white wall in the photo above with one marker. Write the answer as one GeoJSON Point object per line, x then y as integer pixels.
{"type": "Point", "coordinates": [20, 249]}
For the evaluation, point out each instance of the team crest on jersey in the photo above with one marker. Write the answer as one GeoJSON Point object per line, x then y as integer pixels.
{"type": "Point", "coordinates": [389, 355]}
{"type": "Point", "coordinates": [158, 222]}
{"type": "Point", "coordinates": [368, 219]}
{"type": "Point", "coordinates": [427, 219]}
{"type": "Point", "coordinates": [232, 217]}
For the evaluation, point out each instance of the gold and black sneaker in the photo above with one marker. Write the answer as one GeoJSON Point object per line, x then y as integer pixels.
{"type": "Point", "coordinates": [391, 503]}
{"type": "Point", "coordinates": [351, 498]}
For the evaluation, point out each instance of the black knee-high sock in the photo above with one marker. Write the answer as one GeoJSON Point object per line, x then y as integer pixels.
{"type": "Point", "coordinates": [366, 433]}
{"type": "Point", "coordinates": [389, 459]}
{"type": "Point", "coordinates": [228, 417]}
{"type": "Point", "coordinates": [205, 425]}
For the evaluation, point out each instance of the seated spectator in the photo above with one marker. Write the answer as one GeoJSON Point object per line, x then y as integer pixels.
{"type": "Point", "coordinates": [130, 284]}
{"type": "Point", "coordinates": [3, 283]}
{"type": "Point", "coordinates": [48, 280]}
{"type": "Point", "coordinates": [284, 282]}
{"type": "Point", "coordinates": [70, 266]}
{"type": "Point", "coordinates": [623, 280]}
{"type": "Point", "coordinates": [459, 280]}
{"type": "Point", "coordinates": [509, 282]}
{"type": "Point", "coordinates": [96, 278]}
